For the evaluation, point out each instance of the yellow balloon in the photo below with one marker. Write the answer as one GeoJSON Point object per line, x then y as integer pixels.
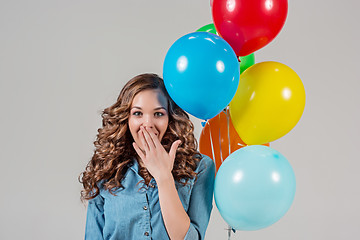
{"type": "Point", "coordinates": [268, 103]}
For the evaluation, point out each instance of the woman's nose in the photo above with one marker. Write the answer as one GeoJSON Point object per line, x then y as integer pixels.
{"type": "Point", "coordinates": [148, 122]}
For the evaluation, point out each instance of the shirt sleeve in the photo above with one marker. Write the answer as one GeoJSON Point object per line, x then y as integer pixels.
{"type": "Point", "coordinates": [201, 199]}
{"type": "Point", "coordinates": [95, 218]}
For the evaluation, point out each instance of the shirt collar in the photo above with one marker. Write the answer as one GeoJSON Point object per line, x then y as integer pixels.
{"type": "Point", "coordinates": [135, 165]}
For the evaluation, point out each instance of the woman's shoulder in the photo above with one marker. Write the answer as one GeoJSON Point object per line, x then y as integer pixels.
{"type": "Point", "coordinates": [205, 163]}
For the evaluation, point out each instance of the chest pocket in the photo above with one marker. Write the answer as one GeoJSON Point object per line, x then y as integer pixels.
{"type": "Point", "coordinates": [184, 193]}
{"type": "Point", "coordinates": [127, 204]}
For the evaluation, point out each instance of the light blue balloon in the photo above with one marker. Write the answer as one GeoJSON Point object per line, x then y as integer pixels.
{"type": "Point", "coordinates": [254, 187]}
{"type": "Point", "coordinates": [201, 73]}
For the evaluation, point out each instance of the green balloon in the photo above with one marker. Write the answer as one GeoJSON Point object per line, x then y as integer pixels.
{"type": "Point", "coordinates": [208, 28]}
{"type": "Point", "coordinates": [246, 62]}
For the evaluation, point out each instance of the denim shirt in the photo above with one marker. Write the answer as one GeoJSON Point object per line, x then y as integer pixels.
{"type": "Point", "coordinates": [136, 214]}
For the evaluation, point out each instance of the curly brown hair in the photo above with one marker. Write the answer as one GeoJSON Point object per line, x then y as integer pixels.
{"type": "Point", "coordinates": [114, 153]}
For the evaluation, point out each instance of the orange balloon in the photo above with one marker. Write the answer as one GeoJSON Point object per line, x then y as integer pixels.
{"type": "Point", "coordinates": [220, 137]}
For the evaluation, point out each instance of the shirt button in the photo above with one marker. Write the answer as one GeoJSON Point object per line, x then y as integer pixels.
{"type": "Point", "coordinates": [145, 207]}
{"type": "Point", "coordinates": [146, 234]}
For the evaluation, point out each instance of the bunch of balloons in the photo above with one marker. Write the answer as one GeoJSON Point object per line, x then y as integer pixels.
{"type": "Point", "coordinates": [211, 73]}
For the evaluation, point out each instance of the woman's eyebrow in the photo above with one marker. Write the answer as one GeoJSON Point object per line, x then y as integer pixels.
{"type": "Point", "coordinates": [157, 108]}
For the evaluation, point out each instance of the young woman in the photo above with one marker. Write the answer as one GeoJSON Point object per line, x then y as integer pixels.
{"type": "Point", "coordinates": [146, 179]}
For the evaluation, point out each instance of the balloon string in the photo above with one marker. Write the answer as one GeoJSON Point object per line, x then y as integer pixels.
{"type": "Point", "coordinates": [221, 155]}
{"type": "Point", "coordinates": [212, 145]}
{"type": "Point", "coordinates": [229, 232]}
{"type": "Point", "coordinates": [228, 127]}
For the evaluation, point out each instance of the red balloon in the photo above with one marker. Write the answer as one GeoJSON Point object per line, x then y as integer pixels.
{"type": "Point", "coordinates": [248, 25]}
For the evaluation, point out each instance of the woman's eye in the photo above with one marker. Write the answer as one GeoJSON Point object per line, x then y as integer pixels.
{"type": "Point", "coordinates": [136, 113]}
{"type": "Point", "coordinates": [159, 114]}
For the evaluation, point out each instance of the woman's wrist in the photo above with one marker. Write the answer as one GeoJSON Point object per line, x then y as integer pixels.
{"type": "Point", "coordinates": [164, 178]}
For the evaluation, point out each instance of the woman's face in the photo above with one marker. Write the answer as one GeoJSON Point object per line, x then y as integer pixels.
{"type": "Point", "coordinates": [149, 109]}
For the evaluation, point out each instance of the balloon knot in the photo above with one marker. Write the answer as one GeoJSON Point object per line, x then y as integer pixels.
{"type": "Point", "coordinates": [203, 123]}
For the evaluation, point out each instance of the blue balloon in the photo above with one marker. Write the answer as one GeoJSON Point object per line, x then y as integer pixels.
{"type": "Point", "coordinates": [254, 187]}
{"type": "Point", "coordinates": [201, 74]}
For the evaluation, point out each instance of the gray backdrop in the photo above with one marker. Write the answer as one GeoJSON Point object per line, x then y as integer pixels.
{"type": "Point", "coordinates": [62, 62]}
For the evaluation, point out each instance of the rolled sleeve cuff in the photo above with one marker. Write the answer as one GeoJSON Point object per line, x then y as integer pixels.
{"type": "Point", "coordinates": [192, 233]}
